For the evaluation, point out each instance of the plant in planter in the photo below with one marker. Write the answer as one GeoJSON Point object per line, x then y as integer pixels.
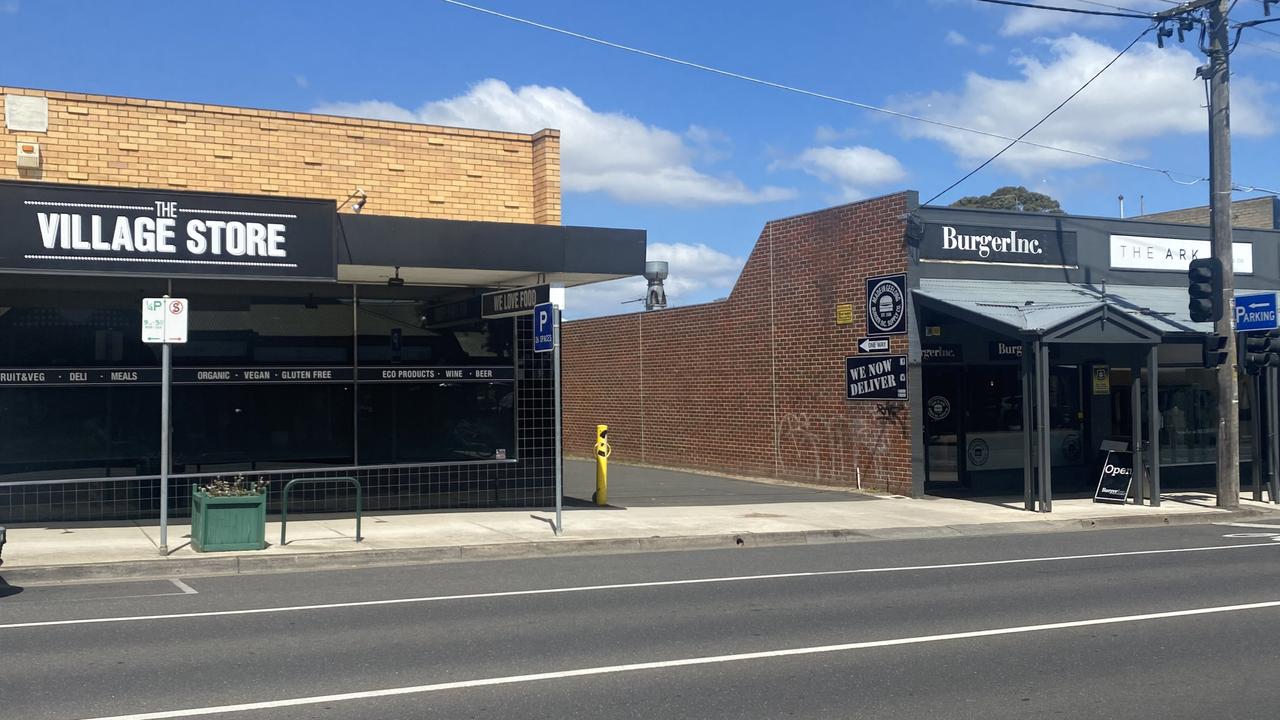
{"type": "Point", "coordinates": [229, 514]}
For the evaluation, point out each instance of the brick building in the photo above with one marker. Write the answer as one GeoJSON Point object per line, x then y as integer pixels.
{"type": "Point", "coordinates": [334, 269]}
{"type": "Point", "coordinates": [745, 385]}
{"type": "Point", "coordinates": [980, 351]}
{"type": "Point", "coordinates": [1261, 212]}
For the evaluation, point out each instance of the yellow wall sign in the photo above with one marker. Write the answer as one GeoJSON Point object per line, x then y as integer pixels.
{"type": "Point", "coordinates": [1102, 380]}
{"type": "Point", "coordinates": [844, 314]}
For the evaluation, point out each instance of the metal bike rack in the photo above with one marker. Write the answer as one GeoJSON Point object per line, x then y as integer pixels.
{"type": "Point", "coordinates": [284, 501]}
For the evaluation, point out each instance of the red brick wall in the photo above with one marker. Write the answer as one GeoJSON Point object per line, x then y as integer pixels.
{"type": "Point", "coordinates": [753, 384]}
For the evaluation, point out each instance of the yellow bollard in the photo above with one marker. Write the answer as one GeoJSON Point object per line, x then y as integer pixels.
{"type": "Point", "coordinates": [603, 450]}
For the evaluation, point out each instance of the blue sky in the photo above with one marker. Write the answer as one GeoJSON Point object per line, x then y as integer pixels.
{"type": "Point", "coordinates": [699, 160]}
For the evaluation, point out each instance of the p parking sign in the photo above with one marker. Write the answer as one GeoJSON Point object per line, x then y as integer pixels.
{"type": "Point", "coordinates": [164, 320]}
{"type": "Point", "coordinates": [543, 327]}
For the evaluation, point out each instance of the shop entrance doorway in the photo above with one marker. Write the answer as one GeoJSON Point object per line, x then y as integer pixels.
{"type": "Point", "coordinates": [974, 428]}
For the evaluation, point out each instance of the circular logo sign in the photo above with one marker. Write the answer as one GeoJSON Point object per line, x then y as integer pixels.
{"type": "Point", "coordinates": [885, 307]}
{"type": "Point", "coordinates": [979, 452]}
{"type": "Point", "coordinates": [1071, 447]}
{"type": "Point", "coordinates": [939, 407]}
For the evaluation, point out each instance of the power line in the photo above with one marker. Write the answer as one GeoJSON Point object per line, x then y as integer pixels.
{"type": "Point", "coordinates": [1113, 7]}
{"type": "Point", "coordinates": [1078, 11]}
{"type": "Point", "coordinates": [823, 96]}
{"type": "Point", "coordinates": [1042, 120]}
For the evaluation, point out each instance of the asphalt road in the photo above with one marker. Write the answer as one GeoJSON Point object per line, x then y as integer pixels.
{"type": "Point", "coordinates": [637, 486]}
{"type": "Point", "coordinates": [985, 627]}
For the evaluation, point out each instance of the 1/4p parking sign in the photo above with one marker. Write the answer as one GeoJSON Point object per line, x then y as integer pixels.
{"type": "Point", "coordinates": [543, 327]}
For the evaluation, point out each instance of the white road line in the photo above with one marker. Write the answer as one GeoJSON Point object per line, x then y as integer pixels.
{"type": "Point", "coordinates": [622, 586]}
{"type": "Point", "coordinates": [1250, 525]}
{"type": "Point", "coordinates": [684, 662]}
{"type": "Point", "coordinates": [185, 588]}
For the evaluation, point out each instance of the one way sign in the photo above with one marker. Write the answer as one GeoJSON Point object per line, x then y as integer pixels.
{"type": "Point", "coordinates": [873, 344]}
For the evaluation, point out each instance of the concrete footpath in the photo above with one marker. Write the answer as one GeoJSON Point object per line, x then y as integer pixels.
{"type": "Point", "coordinates": [74, 551]}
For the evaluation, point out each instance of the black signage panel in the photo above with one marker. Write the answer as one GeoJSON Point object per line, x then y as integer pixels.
{"type": "Point", "coordinates": [79, 376]}
{"type": "Point", "coordinates": [942, 353]}
{"type": "Point", "coordinates": [876, 377]}
{"type": "Point", "coordinates": [887, 305]}
{"type": "Point", "coordinates": [1117, 476]}
{"type": "Point", "coordinates": [1001, 350]}
{"type": "Point", "coordinates": [517, 301]}
{"type": "Point", "coordinates": [985, 244]}
{"type": "Point", "coordinates": [54, 228]}
{"type": "Point", "coordinates": [248, 376]}
{"type": "Point", "coordinates": [399, 373]}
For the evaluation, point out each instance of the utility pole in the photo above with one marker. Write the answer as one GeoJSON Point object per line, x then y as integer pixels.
{"type": "Point", "coordinates": [1217, 73]}
{"type": "Point", "coordinates": [1219, 77]}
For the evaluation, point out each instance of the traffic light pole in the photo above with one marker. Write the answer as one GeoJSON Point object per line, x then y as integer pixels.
{"type": "Point", "coordinates": [1220, 214]}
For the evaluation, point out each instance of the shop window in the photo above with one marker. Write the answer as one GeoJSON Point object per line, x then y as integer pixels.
{"type": "Point", "coordinates": [436, 422]}
{"type": "Point", "coordinates": [1188, 412]}
{"type": "Point", "coordinates": [63, 327]}
{"type": "Point", "coordinates": [218, 428]}
{"type": "Point", "coordinates": [75, 432]}
{"type": "Point", "coordinates": [431, 332]}
{"type": "Point", "coordinates": [229, 327]}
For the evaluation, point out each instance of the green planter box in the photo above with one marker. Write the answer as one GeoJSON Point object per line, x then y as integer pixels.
{"type": "Point", "coordinates": [228, 523]}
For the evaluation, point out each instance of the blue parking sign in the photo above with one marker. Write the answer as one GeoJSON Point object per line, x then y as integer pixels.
{"type": "Point", "coordinates": [1255, 311]}
{"type": "Point", "coordinates": [543, 327]}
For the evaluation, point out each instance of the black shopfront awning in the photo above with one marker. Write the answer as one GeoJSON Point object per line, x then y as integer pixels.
{"type": "Point", "coordinates": [48, 228]}
{"type": "Point", "coordinates": [457, 252]}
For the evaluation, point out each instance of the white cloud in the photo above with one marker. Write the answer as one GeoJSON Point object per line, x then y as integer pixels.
{"type": "Point", "coordinates": [694, 269]}
{"type": "Point", "coordinates": [852, 169]}
{"type": "Point", "coordinates": [1147, 94]}
{"type": "Point", "coordinates": [959, 40]}
{"type": "Point", "coordinates": [1030, 21]}
{"type": "Point", "coordinates": [600, 151]}
{"type": "Point", "coordinates": [825, 134]}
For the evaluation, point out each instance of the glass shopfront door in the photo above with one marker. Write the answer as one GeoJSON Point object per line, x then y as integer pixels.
{"type": "Point", "coordinates": [974, 432]}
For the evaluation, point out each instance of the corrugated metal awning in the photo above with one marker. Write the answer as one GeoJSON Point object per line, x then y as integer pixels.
{"type": "Point", "coordinates": [1041, 309]}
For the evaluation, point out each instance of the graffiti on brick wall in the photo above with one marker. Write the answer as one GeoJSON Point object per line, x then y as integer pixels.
{"type": "Point", "coordinates": [825, 448]}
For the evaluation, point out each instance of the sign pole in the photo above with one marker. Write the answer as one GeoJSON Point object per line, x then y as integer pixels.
{"type": "Point", "coordinates": [164, 322]}
{"type": "Point", "coordinates": [559, 460]}
{"type": "Point", "coordinates": [165, 373]}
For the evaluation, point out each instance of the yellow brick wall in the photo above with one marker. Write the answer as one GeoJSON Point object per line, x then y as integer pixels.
{"type": "Point", "coordinates": [1254, 213]}
{"type": "Point", "coordinates": [407, 169]}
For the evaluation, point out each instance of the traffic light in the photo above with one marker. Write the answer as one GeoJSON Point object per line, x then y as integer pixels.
{"type": "Point", "coordinates": [1204, 278]}
{"type": "Point", "coordinates": [1215, 352]}
{"type": "Point", "coordinates": [1261, 350]}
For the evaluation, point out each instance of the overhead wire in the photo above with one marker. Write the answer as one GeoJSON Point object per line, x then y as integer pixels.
{"type": "Point", "coordinates": [1170, 174]}
{"type": "Point", "coordinates": [1044, 119]}
{"type": "Point", "coordinates": [1078, 11]}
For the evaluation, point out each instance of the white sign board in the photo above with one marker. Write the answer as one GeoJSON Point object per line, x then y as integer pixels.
{"type": "Point", "coordinates": [26, 113]}
{"type": "Point", "coordinates": [164, 320]}
{"type": "Point", "coordinates": [1133, 252]}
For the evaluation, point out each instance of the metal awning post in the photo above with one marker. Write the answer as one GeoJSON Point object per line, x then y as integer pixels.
{"type": "Point", "coordinates": [1272, 436]}
{"type": "Point", "coordinates": [1257, 446]}
{"type": "Point", "coordinates": [1135, 433]}
{"type": "Point", "coordinates": [1042, 397]}
{"type": "Point", "coordinates": [1153, 423]}
{"type": "Point", "coordinates": [1028, 428]}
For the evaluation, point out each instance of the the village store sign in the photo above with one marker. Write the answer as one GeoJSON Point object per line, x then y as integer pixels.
{"type": "Point", "coordinates": [1132, 252]}
{"type": "Point", "coordinates": [136, 232]}
{"type": "Point", "coordinates": [1007, 246]}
